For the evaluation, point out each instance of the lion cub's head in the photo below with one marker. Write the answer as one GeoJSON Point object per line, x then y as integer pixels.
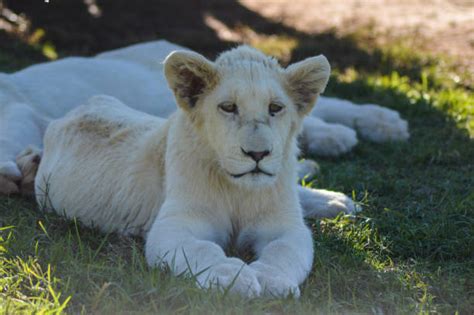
{"type": "Point", "coordinates": [247, 107]}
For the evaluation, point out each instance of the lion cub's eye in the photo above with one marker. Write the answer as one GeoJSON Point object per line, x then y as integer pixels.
{"type": "Point", "coordinates": [274, 109]}
{"type": "Point", "coordinates": [230, 108]}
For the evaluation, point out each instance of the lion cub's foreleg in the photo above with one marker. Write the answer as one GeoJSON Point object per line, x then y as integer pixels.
{"type": "Point", "coordinates": [189, 244]}
{"type": "Point", "coordinates": [285, 256]}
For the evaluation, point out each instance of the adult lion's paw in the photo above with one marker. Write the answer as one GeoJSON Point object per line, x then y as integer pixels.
{"type": "Point", "coordinates": [28, 161]}
{"type": "Point", "coordinates": [379, 124]}
{"type": "Point", "coordinates": [228, 276]}
{"type": "Point", "coordinates": [10, 176]}
{"type": "Point", "coordinates": [320, 138]}
{"type": "Point", "coordinates": [321, 203]}
{"type": "Point", "coordinates": [307, 169]}
{"type": "Point", "coordinates": [273, 283]}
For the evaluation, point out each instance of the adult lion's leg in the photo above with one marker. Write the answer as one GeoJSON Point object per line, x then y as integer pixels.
{"type": "Point", "coordinates": [320, 203]}
{"type": "Point", "coordinates": [325, 139]}
{"type": "Point", "coordinates": [28, 162]}
{"type": "Point", "coordinates": [307, 169]}
{"type": "Point", "coordinates": [20, 126]}
{"type": "Point", "coordinates": [372, 122]}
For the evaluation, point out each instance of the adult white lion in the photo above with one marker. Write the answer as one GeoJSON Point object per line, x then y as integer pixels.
{"type": "Point", "coordinates": [31, 98]}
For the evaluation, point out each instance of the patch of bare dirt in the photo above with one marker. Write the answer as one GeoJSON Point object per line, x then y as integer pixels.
{"type": "Point", "coordinates": [445, 26]}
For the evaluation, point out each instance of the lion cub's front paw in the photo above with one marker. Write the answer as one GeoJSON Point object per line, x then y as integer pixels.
{"type": "Point", "coordinates": [240, 279]}
{"type": "Point", "coordinates": [379, 124]}
{"type": "Point", "coordinates": [273, 283]}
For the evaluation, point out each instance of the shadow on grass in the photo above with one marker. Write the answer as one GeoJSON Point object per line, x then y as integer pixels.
{"type": "Point", "coordinates": [88, 27]}
{"type": "Point", "coordinates": [420, 192]}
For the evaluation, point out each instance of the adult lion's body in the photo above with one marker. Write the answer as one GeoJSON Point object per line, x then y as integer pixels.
{"type": "Point", "coordinates": [32, 97]}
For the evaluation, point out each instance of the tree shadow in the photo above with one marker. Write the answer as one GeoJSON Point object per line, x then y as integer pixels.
{"type": "Point", "coordinates": [88, 27]}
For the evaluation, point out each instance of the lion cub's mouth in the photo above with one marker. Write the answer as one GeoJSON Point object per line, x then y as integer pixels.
{"type": "Point", "coordinates": [255, 171]}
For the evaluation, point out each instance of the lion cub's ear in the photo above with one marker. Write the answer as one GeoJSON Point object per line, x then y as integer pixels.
{"type": "Point", "coordinates": [189, 75]}
{"type": "Point", "coordinates": [306, 80]}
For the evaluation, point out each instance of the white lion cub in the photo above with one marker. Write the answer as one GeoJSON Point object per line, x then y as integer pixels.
{"type": "Point", "coordinates": [220, 171]}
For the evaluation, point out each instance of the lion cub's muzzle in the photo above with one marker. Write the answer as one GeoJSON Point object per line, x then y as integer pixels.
{"type": "Point", "coordinates": [257, 156]}
{"type": "Point", "coordinates": [255, 171]}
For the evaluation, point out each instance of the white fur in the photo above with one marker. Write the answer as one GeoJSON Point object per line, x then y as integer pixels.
{"type": "Point", "coordinates": [327, 139]}
{"type": "Point", "coordinates": [307, 169]}
{"type": "Point", "coordinates": [321, 203]}
{"type": "Point", "coordinates": [30, 98]}
{"type": "Point", "coordinates": [186, 183]}
{"type": "Point", "coordinates": [373, 122]}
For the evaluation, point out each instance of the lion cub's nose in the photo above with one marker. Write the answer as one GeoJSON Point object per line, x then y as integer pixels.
{"type": "Point", "coordinates": [256, 156]}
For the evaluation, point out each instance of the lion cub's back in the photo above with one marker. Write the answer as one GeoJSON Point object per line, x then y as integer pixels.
{"type": "Point", "coordinates": [88, 157]}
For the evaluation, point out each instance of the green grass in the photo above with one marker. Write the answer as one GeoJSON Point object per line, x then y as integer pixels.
{"type": "Point", "coordinates": [409, 251]}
